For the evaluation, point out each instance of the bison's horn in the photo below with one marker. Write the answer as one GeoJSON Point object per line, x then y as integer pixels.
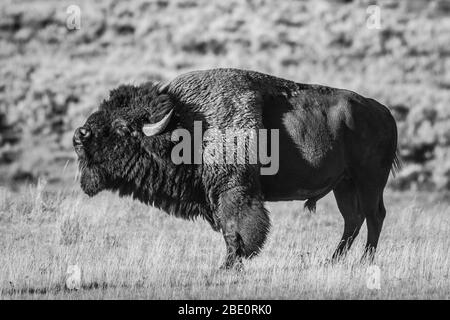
{"type": "Point", "coordinates": [151, 129]}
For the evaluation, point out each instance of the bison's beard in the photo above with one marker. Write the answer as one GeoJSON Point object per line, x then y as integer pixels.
{"type": "Point", "coordinates": [91, 180]}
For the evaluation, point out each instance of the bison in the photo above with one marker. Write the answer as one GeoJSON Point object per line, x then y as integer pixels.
{"type": "Point", "coordinates": [329, 140]}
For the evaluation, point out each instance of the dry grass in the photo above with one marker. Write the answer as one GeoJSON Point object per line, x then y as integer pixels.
{"type": "Point", "coordinates": [128, 250]}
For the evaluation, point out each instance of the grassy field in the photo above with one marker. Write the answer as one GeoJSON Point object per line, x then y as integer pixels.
{"type": "Point", "coordinates": [128, 250]}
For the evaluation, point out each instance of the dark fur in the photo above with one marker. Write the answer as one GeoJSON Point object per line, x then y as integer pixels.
{"type": "Point", "coordinates": [140, 166]}
{"type": "Point", "coordinates": [330, 139]}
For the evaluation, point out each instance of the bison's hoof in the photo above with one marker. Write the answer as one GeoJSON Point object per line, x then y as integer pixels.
{"type": "Point", "coordinates": [236, 266]}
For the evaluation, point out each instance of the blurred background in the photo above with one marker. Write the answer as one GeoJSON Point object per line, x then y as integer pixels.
{"type": "Point", "coordinates": [53, 76]}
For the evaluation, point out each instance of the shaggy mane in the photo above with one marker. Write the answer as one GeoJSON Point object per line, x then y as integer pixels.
{"type": "Point", "coordinates": [135, 99]}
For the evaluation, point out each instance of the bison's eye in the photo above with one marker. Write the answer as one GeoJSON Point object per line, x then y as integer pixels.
{"type": "Point", "coordinates": [120, 127]}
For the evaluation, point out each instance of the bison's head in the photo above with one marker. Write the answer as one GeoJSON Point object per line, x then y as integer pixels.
{"type": "Point", "coordinates": [117, 140]}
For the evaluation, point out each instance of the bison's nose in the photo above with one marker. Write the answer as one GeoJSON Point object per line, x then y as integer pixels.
{"type": "Point", "coordinates": [81, 135]}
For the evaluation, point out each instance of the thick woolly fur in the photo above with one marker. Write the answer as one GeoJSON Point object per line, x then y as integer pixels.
{"type": "Point", "coordinates": [329, 138]}
{"type": "Point", "coordinates": [119, 157]}
{"type": "Point", "coordinates": [136, 165]}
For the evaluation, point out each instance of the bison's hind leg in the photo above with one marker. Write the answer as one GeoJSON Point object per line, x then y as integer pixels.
{"type": "Point", "coordinates": [347, 200]}
{"type": "Point", "coordinates": [245, 225]}
{"type": "Point", "coordinates": [375, 212]}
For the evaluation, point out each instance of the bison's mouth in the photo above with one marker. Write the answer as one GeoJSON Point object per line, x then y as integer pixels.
{"type": "Point", "coordinates": [81, 135]}
{"type": "Point", "coordinates": [79, 150]}
{"type": "Point", "coordinates": [91, 177]}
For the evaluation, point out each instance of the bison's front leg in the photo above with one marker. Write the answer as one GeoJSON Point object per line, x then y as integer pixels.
{"type": "Point", "coordinates": [245, 224]}
{"type": "Point", "coordinates": [233, 242]}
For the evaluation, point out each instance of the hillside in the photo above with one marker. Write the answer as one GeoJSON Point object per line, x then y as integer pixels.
{"type": "Point", "coordinates": [52, 78]}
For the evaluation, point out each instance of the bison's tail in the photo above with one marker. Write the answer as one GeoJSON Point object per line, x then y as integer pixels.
{"type": "Point", "coordinates": [396, 163]}
{"type": "Point", "coordinates": [254, 225]}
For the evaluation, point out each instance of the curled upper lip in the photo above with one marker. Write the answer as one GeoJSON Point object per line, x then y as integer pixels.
{"type": "Point", "coordinates": [79, 148]}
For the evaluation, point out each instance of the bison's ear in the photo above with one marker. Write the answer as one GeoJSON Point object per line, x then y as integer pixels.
{"type": "Point", "coordinates": [120, 126]}
{"type": "Point", "coordinates": [151, 129]}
